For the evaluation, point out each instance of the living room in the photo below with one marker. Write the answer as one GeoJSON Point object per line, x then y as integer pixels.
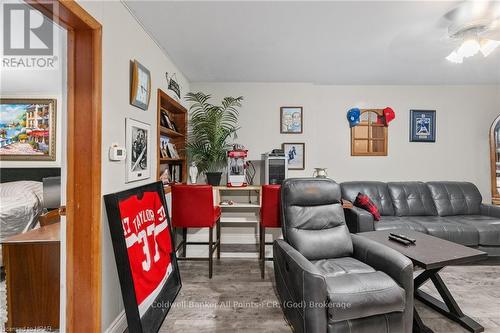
{"type": "Point", "coordinates": [350, 149]}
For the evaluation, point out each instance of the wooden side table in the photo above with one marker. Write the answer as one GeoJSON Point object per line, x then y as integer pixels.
{"type": "Point", "coordinates": [32, 265]}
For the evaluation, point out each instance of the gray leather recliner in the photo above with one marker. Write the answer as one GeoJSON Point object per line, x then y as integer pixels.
{"type": "Point", "coordinates": [329, 280]}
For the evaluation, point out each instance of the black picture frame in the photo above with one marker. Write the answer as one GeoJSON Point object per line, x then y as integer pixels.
{"type": "Point", "coordinates": [154, 316]}
{"type": "Point", "coordinates": [422, 132]}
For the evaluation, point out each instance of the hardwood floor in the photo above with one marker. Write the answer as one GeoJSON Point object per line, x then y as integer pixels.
{"type": "Point", "coordinates": [237, 300]}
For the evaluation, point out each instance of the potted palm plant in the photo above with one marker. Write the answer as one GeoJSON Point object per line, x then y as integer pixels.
{"type": "Point", "coordinates": [210, 128]}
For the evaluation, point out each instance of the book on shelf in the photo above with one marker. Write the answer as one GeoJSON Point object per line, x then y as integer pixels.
{"type": "Point", "coordinates": [172, 150]}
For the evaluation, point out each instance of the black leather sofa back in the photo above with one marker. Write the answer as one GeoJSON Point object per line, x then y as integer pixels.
{"type": "Point", "coordinates": [411, 199]}
{"type": "Point", "coordinates": [313, 218]}
{"type": "Point", "coordinates": [377, 191]}
{"type": "Point", "coordinates": [455, 198]}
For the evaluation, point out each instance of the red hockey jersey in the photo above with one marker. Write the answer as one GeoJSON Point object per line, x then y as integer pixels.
{"type": "Point", "coordinates": [145, 226]}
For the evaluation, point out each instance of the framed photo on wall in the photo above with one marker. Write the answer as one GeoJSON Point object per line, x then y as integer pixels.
{"type": "Point", "coordinates": [295, 154]}
{"type": "Point", "coordinates": [291, 119]}
{"type": "Point", "coordinates": [141, 234]}
{"type": "Point", "coordinates": [138, 144]}
{"type": "Point", "coordinates": [140, 85]}
{"type": "Point", "coordinates": [27, 129]}
{"type": "Point", "coordinates": [422, 126]}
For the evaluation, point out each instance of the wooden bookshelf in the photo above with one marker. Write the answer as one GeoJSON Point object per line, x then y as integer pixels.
{"type": "Point", "coordinates": [178, 115]}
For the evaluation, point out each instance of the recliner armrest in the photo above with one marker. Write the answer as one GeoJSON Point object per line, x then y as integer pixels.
{"type": "Point", "coordinates": [358, 220]}
{"type": "Point", "coordinates": [301, 286]}
{"type": "Point", "coordinates": [490, 210]}
{"type": "Point", "coordinates": [391, 262]}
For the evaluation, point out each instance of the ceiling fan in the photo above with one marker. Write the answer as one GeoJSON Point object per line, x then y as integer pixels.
{"type": "Point", "coordinates": [476, 26]}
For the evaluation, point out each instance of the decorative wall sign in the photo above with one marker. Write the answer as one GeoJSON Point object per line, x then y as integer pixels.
{"type": "Point", "coordinates": [28, 129]}
{"type": "Point", "coordinates": [140, 87]}
{"type": "Point", "coordinates": [291, 119]}
{"type": "Point", "coordinates": [146, 262]}
{"type": "Point", "coordinates": [295, 153]}
{"type": "Point", "coordinates": [173, 84]}
{"type": "Point", "coordinates": [422, 126]}
{"type": "Point", "coordinates": [138, 138]}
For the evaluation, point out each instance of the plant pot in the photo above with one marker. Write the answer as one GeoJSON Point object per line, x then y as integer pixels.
{"type": "Point", "coordinates": [213, 178]}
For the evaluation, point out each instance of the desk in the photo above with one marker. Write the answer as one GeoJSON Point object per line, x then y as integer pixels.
{"type": "Point", "coordinates": [32, 265]}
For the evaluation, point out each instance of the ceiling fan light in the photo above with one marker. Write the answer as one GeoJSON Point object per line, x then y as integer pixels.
{"type": "Point", "coordinates": [469, 48]}
{"type": "Point", "coordinates": [488, 46]}
{"type": "Point", "coordinates": [455, 58]}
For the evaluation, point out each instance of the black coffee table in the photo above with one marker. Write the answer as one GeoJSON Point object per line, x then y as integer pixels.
{"type": "Point", "coordinates": [433, 254]}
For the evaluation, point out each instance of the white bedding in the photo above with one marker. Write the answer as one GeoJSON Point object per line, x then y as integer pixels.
{"type": "Point", "coordinates": [20, 205]}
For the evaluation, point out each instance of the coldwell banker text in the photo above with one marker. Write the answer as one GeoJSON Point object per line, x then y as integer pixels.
{"type": "Point", "coordinates": [28, 39]}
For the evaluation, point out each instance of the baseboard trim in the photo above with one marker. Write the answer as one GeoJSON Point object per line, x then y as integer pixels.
{"type": "Point", "coordinates": [119, 325]}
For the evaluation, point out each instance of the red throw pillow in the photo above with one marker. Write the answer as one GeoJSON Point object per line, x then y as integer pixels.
{"type": "Point", "coordinates": [364, 202]}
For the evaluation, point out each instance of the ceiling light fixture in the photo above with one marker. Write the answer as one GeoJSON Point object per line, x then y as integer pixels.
{"type": "Point", "coordinates": [472, 42]}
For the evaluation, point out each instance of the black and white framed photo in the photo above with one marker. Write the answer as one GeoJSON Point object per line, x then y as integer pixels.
{"type": "Point", "coordinates": [138, 139]}
{"type": "Point", "coordinates": [144, 253]}
{"type": "Point", "coordinates": [140, 86]}
{"type": "Point", "coordinates": [295, 155]}
{"type": "Point", "coordinates": [291, 120]}
{"type": "Point", "coordinates": [422, 126]}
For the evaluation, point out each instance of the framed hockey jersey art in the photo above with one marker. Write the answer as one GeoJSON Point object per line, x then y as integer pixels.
{"type": "Point", "coordinates": [144, 252]}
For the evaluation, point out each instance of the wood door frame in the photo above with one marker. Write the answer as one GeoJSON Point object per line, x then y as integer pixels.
{"type": "Point", "coordinates": [83, 203]}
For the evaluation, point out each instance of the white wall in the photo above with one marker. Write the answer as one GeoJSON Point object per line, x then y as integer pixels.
{"type": "Point", "coordinates": [461, 152]}
{"type": "Point", "coordinates": [123, 40]}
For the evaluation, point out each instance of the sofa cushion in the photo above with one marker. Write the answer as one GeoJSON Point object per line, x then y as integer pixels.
{"type": "Point", "coordinates": [359, 295]}
{"type": "Point", "coordinates": [488, 228]}
{"type": "Point", "coordinates": [396, 222]}
{"type": "Point", "coordinates": [455, 198]}
{"type": "Point", "coordinates": [338, 266]}
{"type": "Point", "coordinates": [437, 226]}
{"type": "Point", "coordinates": [449, 230]}
{"type": "Point", "coordinates": [411, 199]}
{"type": "Point", "coordinates": [376, 191]}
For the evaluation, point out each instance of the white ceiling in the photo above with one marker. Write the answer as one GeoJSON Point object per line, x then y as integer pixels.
{"type": "Point", "coordinates": [341, 42]}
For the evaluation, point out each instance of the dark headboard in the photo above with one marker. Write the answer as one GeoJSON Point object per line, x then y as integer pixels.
{"type": "Point", "coordinates": [36, 174]}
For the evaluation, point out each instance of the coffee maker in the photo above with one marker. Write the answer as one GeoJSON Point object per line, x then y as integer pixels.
{"type": "Point", "coordinates": [236, 166]}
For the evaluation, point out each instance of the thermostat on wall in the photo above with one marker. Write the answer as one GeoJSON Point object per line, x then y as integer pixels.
{"type": "Point", "coordinates": [117, 153]}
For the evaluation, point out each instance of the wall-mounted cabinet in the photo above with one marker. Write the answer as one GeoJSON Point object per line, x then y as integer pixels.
{"type": "Point", "coordinates": [495, 160]}
{"type": "Point", "coordinates": [171, 138]}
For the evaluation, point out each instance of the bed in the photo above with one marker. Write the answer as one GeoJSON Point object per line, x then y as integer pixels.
{"type": "Point", "coordinates": [21, 203]}
{"type": "Point", "coordinates": [21, 198]}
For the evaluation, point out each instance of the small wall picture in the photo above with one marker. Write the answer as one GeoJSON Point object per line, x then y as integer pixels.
{"type": "Point", "coordinates": [27, 129]}
{"type": "Point", "coordinates": [138, 137]}
{"type": "Point", "coordinates": [164, 147]}
{"type": "Point", "coordinates": [140, 91]}
{"type": "Point", "coordinates": [291, 120]}
{"type": "Point", "coordinates": [295, 154]}
{"type": "Point", "coordinates": [422, 126]}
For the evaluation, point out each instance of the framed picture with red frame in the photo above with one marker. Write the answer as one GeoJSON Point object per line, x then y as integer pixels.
{"type": "Point", "coordinates": [144, 252]}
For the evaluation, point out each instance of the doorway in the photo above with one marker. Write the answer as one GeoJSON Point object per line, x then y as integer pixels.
{"type": "Point", "coordinates": [82, 304]}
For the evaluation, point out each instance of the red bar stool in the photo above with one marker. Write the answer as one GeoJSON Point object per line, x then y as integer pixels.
{"type": "Point", "coordinates": [269, 218]}
{"type": "Point", "coordinates": [193, 207]}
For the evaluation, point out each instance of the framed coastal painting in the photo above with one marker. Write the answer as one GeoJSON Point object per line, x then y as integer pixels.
{"type": "Point", "coordinates": [141, 234]}
{"type": "Point", "coordinates": [28, 129]}
{"type": "Point", "coordinates": [138, 139]}
{"type": "Point", "coordinates": [140, 91]}
{"type": "Point", "coordinates": [422, 126]}
{"type": "Point", "coordinates": [291, 119]}
{"type": "Point", "coordinates": [295, 154]}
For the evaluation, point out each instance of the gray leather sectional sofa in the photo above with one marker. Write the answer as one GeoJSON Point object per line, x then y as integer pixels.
{"type": "Point", "coordinates": [449, 210]}
{"type": "Point", "coordinates": [329, 280]}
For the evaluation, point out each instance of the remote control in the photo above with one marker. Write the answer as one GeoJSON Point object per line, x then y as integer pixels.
{"type": "Point", "coordinates": [400, 240]}
{"type": "Point", "coordinates": [403, 237]}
